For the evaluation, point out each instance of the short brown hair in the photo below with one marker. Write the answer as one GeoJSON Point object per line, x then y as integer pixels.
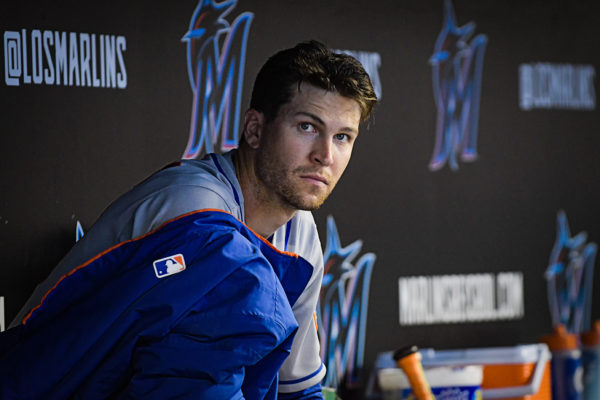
{"type": "Point", "coordinates": [311, 62]}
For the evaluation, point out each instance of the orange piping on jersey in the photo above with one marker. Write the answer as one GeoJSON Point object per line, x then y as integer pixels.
{"type": "Point", "coordinates": [85, 264]}
{"type": "Point", "coordinates": [315, 318]}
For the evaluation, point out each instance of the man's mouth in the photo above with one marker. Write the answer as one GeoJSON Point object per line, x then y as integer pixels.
{"type": "Point", "coordinates": [316, 178]}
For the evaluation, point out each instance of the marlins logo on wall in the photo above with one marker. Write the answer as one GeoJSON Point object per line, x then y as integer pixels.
{"type": "Point", "coordinates": [342, 310]}
{"type": "Point", "coordinates": [216, 57]}
{"type": "Point", "coordinates": [457, 67]}
{"type": "Point", "coordinates": [570, 277]}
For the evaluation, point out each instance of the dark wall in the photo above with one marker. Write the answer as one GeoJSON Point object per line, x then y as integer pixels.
{"type": "Point", "coordinates": [68, 151]}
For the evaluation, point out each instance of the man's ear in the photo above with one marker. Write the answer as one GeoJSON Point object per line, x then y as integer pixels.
{"type": "Point", "coordinates": [254, 122]}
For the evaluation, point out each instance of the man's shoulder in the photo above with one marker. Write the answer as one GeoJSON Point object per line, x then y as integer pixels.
{"type": "Point", "coordinates": [201, 174]}
{"type": "Point", "coordinates": [209, 176]}
{"type": "Point", "coordinates": [191, 176]}
{"type": "Point", "coordinates": [180, 188]}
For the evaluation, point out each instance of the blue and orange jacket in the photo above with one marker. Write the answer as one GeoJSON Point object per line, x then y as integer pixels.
{"type": "Point", "coordinates": [112, 328]}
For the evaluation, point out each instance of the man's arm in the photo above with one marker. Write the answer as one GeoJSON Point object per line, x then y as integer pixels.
{"type": "Point", "coordinates": [239, 323]}
{"type": "Point", "coordinates": [128, 332]}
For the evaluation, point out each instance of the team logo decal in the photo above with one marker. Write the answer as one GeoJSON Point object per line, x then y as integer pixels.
{"type": "Point", "coordinates": [216, 51]}
{"type": "Point", "coordinates": [569, 277]}
{"type": "Point", "coordinates": [342, 310]}
{"type": "Point", "coordinates": [457, 66]}
{"type": "Point", "coordinates": [169, 265]}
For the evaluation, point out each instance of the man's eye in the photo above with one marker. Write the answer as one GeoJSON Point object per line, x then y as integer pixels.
{"type": "Point", "coordinates": [342, 137]}
{"type": "Point", "coordinates": [305, 126]}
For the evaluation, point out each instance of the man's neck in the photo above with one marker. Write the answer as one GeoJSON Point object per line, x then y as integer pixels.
{"type": "Point", "coordinates": [263, 213]}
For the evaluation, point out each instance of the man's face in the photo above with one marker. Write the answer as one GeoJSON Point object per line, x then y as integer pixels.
{"type": "Point", "coordinates": [305, 149]}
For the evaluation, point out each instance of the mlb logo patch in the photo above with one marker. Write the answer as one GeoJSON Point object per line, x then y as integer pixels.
{"type": "Point", "coordinates": [169, 265]}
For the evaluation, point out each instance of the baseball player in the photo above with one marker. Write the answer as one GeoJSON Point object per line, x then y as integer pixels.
{"type": "Point", "coordinates": [202, 281]}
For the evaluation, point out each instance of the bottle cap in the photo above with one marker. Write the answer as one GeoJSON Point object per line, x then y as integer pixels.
{"type": "Point", "coordinates": [591, 338]}
{"type": "Point", "coordinates": [561, 339]}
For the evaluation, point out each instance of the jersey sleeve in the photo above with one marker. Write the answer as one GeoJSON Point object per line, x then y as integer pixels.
{"type": "Point", "coordinates": [304, 368]}
{"type": "Point", "coordinates": [172, 202]}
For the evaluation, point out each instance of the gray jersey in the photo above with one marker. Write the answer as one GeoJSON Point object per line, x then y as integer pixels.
{"type": "Point", "coordinates": [210, 183]}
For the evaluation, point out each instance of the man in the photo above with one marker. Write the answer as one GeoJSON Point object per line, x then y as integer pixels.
{"type": "Point", "coordinates": [202, 281]}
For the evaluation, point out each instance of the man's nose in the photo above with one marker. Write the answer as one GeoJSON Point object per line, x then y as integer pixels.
{"type": "Point", "coordinates": [323, 151]}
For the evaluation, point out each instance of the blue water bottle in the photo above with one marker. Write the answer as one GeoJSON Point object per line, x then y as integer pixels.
{"type": "Point", "coordinates": [590, 356]}
{"type": "Point", "coordinates": [566, 367]}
